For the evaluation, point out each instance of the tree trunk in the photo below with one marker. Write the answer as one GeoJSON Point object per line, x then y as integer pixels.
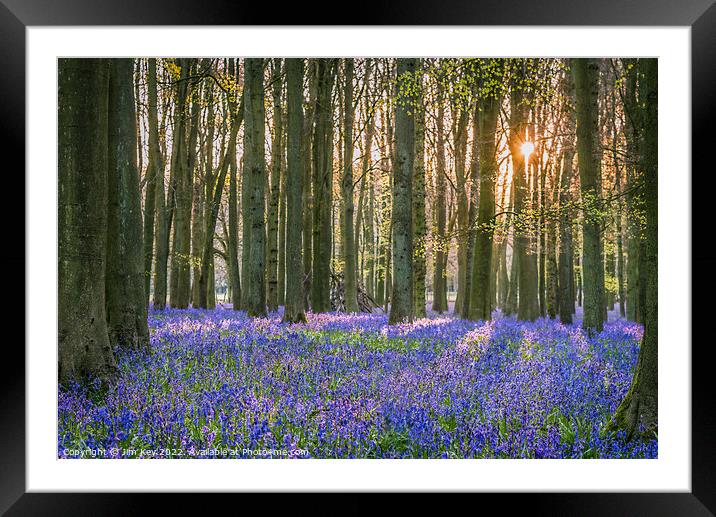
{"type": "Point", "coordinates": [206, 287]}
{"type": "Point", "coordinates": [255, 168]}
{"type": "Point", "coordinates": [370, 238]}
{"type": "Point", "coordinates": [246, 189]}
{"type": "Point", "coordinates": [348, 235]}
{"type": "Point", "coordinates": [234, 269]}
{"type": "Point", "coordinates": [566, 252]}
{"type": "Point", "coordinates": [275, 190]}
{"type": "Point", "coordinates": [633, 200]}
{"type": "Point", "coordinates": [471, 190]}
{"type": "Point", "coordinates": [618, 216]}
{"type": "Point", "coordinates": [83, 342]}
{"type": "Point", "coordinates": [510, 306]}
{"type": "Point", "coordinates": [323, 187]}
{"type": "Point", "coordinates": [541, 173]}
{"type": "Point", "coordinates": [246, 224]}
{"type": "Point", "coordinates": [307, 146]}
{"type": "Point", "coordinates": [154, 169]}
{"type": "Point", "coordinates": [180, 275]}
{"type": "Point", "coordinates": [440, 246]}
{"type": "Point", "coordinates": [185, 274]}
{"type": "Point", "coordinates": [233, 234]}
{"type": "Point", "coordinates": [294, 311]}
{"type": "Point", "coordinates": [552, 273]}
{"type": "Point", "coordinates": [461, 194]}
{"type": "Point", "coordinates": [401, 307]}
{"type": "Point", "coordinates": [638, 413]}
{"type": "Point", "coordinates": [124, 280]}
{"type": "Point", "coordinates": [419, 227]}
{"type": "Point", "coordinates": [480, 301]}
{"type": "Point", "coordinates": [585, 73]}
{"type": "Point", "coordinates": [527, 308]}
{"type": "Point", "coordinates": [281, 285]}
{"type": "Point", "coordinates": [503, 280]}
{"type": "Point", "coordinates": [200, 198]}
{"type": "Point", "coordinates": [163, 218]}
{"type": "Point", "coordinates": [367, 183]}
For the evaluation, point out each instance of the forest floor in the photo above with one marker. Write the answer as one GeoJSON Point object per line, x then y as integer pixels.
{"type": "Point", "coordinates": [220, 384]}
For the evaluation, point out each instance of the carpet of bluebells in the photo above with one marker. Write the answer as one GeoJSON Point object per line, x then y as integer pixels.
{"type": "Point", "coordinates": [345, 386]}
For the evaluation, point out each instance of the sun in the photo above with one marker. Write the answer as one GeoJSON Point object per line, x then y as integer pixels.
{"type": "Point", "coordinates": [528, 148]}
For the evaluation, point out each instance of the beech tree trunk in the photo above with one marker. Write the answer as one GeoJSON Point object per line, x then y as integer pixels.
{"type": "Point", "coordinates": [307, 146]}
{"type": "Point", "coordinates": [180, 276]}
{"type": "Point", "coordinates": [638, 413]}
{"type": "Point", "coordinates": [419, 227]}
{"type": "Point", "coordinates": [566, 251]}
{"type": "Point", "coordinates": [585, 73]}
{"type": "Point", "coordinates": [233, 233]}
{"type": "Point", "coordinates": [480, 302]}
{"type": "Point", "coordinates": [155, 177]}
{"type": "Point", "coordinates": [528, 307]}
{"type": "Point", "coordinates": [275, 187]}
{"type": "Point", "coordinates": [83, 341]}
{"type": "Point", "coordinates": [124, 287]}
{"type": "Point", "coordinates": [471, 190]}
{"type": "Point", "coordinates": [633, 199]}
{"type": "Point", "coordinates": [401, 306]}
{"type": "Point", "coordinates": [323, 187]}
{"type": "Point", "coordinates": [460, 151]}
{"type": "Point", "coordinates": [440, 304]}
{"type": "Point", "coordinates": [551, 270]}
{"type": "Point", "coordinates": [348, 235]}
{"type": "Point", "coordinates": [619, 210]}
{"type": "Point", "coordinates": [294, 311]}
{"type": "Point", "coordinates": [255, 169]}
{"type": "Point", "coordinates": [200, 196]}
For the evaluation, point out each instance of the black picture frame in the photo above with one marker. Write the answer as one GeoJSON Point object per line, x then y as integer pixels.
{"type": "Point", "coordinates": [700, 15]}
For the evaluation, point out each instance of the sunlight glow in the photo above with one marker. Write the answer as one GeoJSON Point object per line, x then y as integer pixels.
{"type": "Point", "coordinates": [528, 148]}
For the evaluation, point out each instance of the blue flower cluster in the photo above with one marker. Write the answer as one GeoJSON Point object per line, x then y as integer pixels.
{"type": "Point", "coordinates": [351, 386]}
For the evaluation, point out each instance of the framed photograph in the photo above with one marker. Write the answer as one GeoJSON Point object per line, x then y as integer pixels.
{"type": "Point", "coordinates": [453, 253]}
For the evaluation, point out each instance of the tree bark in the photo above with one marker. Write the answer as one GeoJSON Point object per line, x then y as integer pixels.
{"type": "Point", "coordinates": [124, 280]}
{"type": "Point", "coordinates": [308, 128]}
{"type": "Point", "coordinates": [255, 169]}
{"type": "Point", "coordinates": [566, 252]}
{"type": "Point", "coordinates": [348, 235]}
{"type": "Point", "coordinates": [163, 220]}
{"type": "Point", "coordinates": [419, 227]}
{"type": "Point", "coordinates": [275, 187]}
{"type": "Point", "coordinates": [294, 310]}
{"type": "Point", "coordinates": [480, 299]}
{"type": "Point", "coordinates": [366, 215]}
{"type": "Point", "coordinates": [323, 187]}
{"type": "Point", "coordinates": [281, 285]}
{"type": "Point", "coordinates": [527, 308]}
{"type": "Point", "coordinates": [234, 269]}
{"type": "Point", "coordinates": [401, 307]}
{"type": "Point", "coordinates": [472, 191]}
{"type": "Point", "coordinates": [633, 200]}
{"type": "Point", "coordinates": [619, 211]}
{"type": "Point", "coordinates": [155, 167]}
{"type": "Point", "coordinates": [180, 274]}
{"type": "Point", "coordinates": [440, 246]}
{"type": "Point", "coordinates": [585, 73]}
{"type": "Point", "coordinates": [461, 116]}
{"type": "Point", "coordinates": [233, 230]}
{"type": "Point", "coordinates": [83, 341]}
{"type": "Point", "coordinates": [638, 413]}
